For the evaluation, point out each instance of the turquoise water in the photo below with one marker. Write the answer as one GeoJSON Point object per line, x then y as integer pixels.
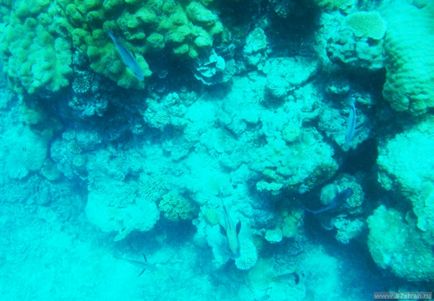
{"type": "Point", "coordinates": [216, 150]}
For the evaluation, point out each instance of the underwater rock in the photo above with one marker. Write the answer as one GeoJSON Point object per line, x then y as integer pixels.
{"type": "Point", "coordinates": [273, 236]}
{"type": "Point", "coordinates": [214, 69]}
{"type": "Point", "coordinates": [85, 107]}
{"type": "Point", "coordinates": [295, 167]}
{"type": "Point", "coordinates": [288, 224]}
{"type": "Point", "coordinates": [248, 253]}
{"type": "Point", "coordinates": [22, 151]}
{"type": "Point", "coordinates": [357, 43]}
{"type": "Point", "coordinates": [169, 110]}
{"type": "Point", "coordinates": [395, 243]}
{"type": "Point", "coordinates": [256, 49]}
{"type": "Point", "coordinates": [281, 82]}
{"type": "Point", "coordinates": [121, 207]}
{"type": "Point", "coordinates": [70, 151]}
{"type": "Point", "coordinates": [347, 229]}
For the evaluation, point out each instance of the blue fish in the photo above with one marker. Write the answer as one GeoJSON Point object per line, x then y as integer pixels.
{"type": "Point", "coordinates": [351, 124]}
{"type": "Point", "coordinates": [127, 57]}
{"type": "Point", "coordinates": [338, 200]}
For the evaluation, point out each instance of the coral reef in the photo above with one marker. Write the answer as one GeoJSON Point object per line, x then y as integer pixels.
{"type": "Point", "coordinates": [258, 150]}
{"type": "Point", "coordinates": [280, 82]}
{"type": "Point", "coordinates": [277, 162]}
{"type": "Point", "coordinates": [186, 28]}
{"type": "Point", "coordinates": [354, 41]}
{"type": "Point", "coordinates": [38, 39]}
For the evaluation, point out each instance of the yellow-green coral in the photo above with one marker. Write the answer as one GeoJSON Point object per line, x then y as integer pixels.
{"type": "Point", "coordinates": [36, 56]}
{"type": "Point", "coordinates": [367, 25]}
{"type": "Point", "coordinates": [175, 207]}
{"type": "Point", "coordinates": [38, 38]}
{"type": "Point", "coordinates": [144, 27]}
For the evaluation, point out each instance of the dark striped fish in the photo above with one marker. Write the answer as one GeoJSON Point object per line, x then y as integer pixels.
{"type": "Point", "coordinates": [351, 124]}
{"type": "Point", "coordinates": [338, 200]}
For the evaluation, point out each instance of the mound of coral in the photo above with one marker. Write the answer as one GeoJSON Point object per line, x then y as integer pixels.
{"type": "Point", "coordinates": [189, 121]}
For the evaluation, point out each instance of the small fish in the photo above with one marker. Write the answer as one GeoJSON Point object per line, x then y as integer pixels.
{"type": "Point", "coordinates": [231, 232]}
{"type": "Point", "coordinates": [351, 124]}
{"type": "Point", "coordinates": [127, 57]}
{"type": "Point", "coordinates": [339, 198]}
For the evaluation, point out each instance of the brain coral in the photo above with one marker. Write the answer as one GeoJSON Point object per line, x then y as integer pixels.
{"type": "Point", "coordinates": [409, 49]}
{"type": "Point", "coordinates": [367, 24]}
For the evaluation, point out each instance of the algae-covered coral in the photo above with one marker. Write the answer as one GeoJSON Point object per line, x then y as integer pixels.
{"type": "Point", "coordinates": [42, 35]}
{"type": "Point", "coordinates": [256, 150]}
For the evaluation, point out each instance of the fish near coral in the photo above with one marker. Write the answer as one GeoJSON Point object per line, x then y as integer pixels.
{"type": "Point", "coordinates": [231, 231]}
{"type": "Point", "coordinates": [336, 202]}
{"type": "Point", "coordinates": [127, 57]}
